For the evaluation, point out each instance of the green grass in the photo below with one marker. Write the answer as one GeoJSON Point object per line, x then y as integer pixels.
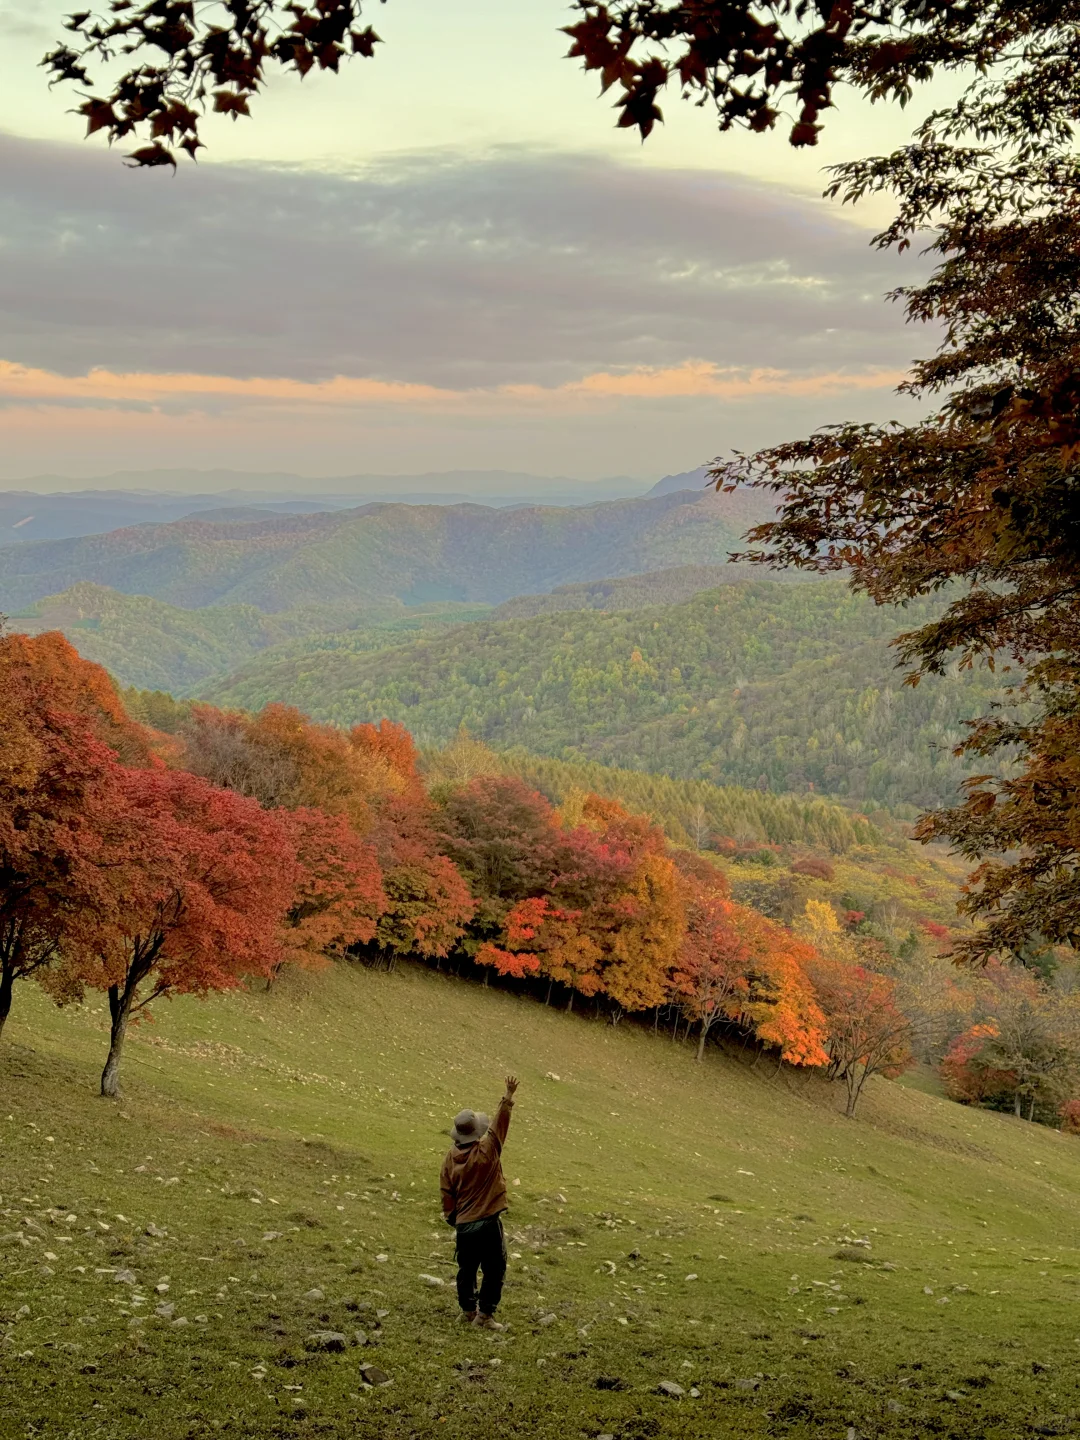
{"type": "Point", "coordinates": [317, 1114]}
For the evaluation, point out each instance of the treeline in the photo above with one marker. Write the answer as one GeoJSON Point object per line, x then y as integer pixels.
{"type": "Point", "coordinates": [695, 813]}
{"type": "Point", "coordinates": [145, 864]}
{"type": "Point", "coordinates": [727, 819]}
{"type": "Point", "coordinates": [780, 687]}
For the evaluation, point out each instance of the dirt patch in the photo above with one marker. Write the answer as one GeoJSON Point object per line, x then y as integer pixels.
{"type": "Point", "coordinates": [233, 1132]}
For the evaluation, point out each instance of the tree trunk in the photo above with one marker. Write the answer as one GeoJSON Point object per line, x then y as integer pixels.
{"type": "Point", "coordinates": [854, 1090]}
{"type": "Point", "coordinates": [7, 981]}
{"type": "Point", "coordinates": [570, 1003]}
{"type": "Point", "coordinates": [120, 1010]}
{"type": "Point", "coordinates": [1016, 1105]}
{"type": "Point", "coordinates": [701, 1041]}
{"type": "Point", "coordinates": [1031, 1106]}
{"type": "Point", "coordinates": [547, 997]}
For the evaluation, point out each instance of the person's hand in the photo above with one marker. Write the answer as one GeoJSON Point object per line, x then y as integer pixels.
{"type": "Point", "coordinates": [511, 1085]}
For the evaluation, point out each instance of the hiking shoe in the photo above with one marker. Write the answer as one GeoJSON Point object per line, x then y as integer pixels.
{"type": "Point", "coordinates": [468, 1317]}
{"type": "Point", "coordinates": [487, 1322]}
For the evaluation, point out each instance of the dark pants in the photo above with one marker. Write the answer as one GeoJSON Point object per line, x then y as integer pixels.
{"type": "Point", "coordinates": [481, 1246]}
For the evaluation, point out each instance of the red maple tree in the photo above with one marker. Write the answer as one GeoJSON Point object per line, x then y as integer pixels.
{"type": "Point", "coordinates": [60, 725]}
{"type": "Point", "coordinates": [866, 1031]}
{"type": "Point", "coordinates": [337, 894]}
{"type": "Point", "coordinates": [202, 884]}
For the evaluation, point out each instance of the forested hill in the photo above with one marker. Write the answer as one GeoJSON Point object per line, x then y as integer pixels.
{"type": "Point", "coordinates": [760, 684]}
{"type": "Point", "coordinates": [412, 553]}
{"type": "Point", "coordinates": [631, 592]}
{"type": "Point", "coordinates": [157, 646]}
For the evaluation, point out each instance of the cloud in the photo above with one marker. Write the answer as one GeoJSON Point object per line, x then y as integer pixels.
{"type": "Point", "coordinates": [24, 387]}
{"type": "Point", "coordinates": [573, 275]}
{"type": "Point", "coordinates": [28, 20]}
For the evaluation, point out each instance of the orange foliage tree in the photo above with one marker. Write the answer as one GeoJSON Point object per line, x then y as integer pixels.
{"type": "Point", "coordinates": [968, 1076]}
{"type": "Point", "coordinates": [427, 903]}
{"type": "Point", "coordinates": [390, 743]}
{"type": "Point", "coordinates": [737, 965]}
{"type": "Point", "coordinates": [199, 898]}
{"type": "Point", "coordinates": [779, 1003]}
{"type": "Point", "coordinates": [1022, 1052]}
{"type": "Point", "coordinates": [606, 915]}
{"type": "Point", "coordinates": [59, 718]}
{"type": "Point", "coordinates": [338, 894]}
{"type": "Point", "coordinates": [867, 1032]}
{"type": "Point", "coordinates": [505, 841]}
{"type": "Point", "coordinates": [48, 672]}
{"type": "Point", "coordinates": [282, 759]}
{"type": "Point", "coordinates": [712, 971]}
{"type": "Point", "coordinates": [642, 931]}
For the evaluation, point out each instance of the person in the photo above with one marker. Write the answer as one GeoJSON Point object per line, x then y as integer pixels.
{"type": "Point", "coordinates": [474, 1200]}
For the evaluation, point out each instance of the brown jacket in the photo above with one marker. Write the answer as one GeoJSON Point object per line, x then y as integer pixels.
{"type": "Point", "coordinates": [472, 1181]}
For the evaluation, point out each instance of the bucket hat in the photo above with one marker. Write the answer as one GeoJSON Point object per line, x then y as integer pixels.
{"type": "Point", "coordinates": [469, 1126]}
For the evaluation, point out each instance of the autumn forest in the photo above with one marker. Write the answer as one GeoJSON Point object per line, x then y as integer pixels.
{"type": "Point", "coordinates": [146, 863]}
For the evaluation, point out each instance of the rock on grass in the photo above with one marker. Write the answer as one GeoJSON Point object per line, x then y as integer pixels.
{"type": "Point", "coordinates": [372, 1375]}
{"type": "Point", "coordinates": [331, 1342]}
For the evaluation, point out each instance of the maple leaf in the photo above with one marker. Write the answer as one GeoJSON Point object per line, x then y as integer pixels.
{"type": "Point", "coordinates": [230, 102]}
{"type": "Point", "coordinates": [99, 114]}
{"type": "Point", "coordinates": [148, 156]}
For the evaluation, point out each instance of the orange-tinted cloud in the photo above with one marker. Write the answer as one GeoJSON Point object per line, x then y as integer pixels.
{"type": "Point", "coordinates": [23, 387]}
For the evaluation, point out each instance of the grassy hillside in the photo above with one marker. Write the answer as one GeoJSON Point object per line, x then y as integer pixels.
{"type": "Point", "coordinates": [413, 553]}
{"type": "Point", "coordinates": [154, 645]}
{"type": "Point", "coordinates": [754, 684]}
{"type": "Point", "coordinates": [272, 1172]}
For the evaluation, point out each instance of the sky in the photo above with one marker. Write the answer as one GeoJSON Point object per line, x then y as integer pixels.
{"type": "Point", "coordinates": [445, 258]}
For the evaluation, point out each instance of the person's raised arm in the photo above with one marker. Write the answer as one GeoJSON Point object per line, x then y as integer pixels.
{"type": "Point", "coordinates": [501, 1123]}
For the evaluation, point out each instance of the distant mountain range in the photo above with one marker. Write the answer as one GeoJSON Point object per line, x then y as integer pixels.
{"type": "Point", "coordinates": [442, 615]}
{"type": "Point", "coordinates": [695, 480]}
{"type": "Point", "coordinates": [490, 486]}
{"type": "Point", "coordinates": [26, 516]}
{"type": "Point", "coordinates": [54, 507]}
{"type": "Point", "coordinates": [379, 553]}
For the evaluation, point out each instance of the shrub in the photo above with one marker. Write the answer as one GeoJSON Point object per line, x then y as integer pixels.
{"type": "Point", "coordinates": [814, 867]}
